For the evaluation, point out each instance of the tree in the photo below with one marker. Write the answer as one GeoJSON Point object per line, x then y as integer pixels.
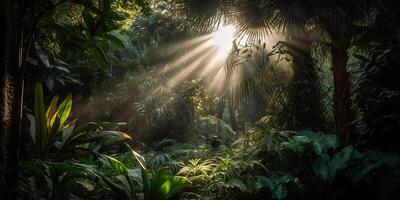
{"type": "Point", "coordinates": [339, 19]}
{"type": "Point", "coordinates": [13, 52]}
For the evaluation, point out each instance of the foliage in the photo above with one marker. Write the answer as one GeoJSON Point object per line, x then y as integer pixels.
{"type": "Point", "coordinates": [91, 34]}
{"type": "Point", "coordinates": [213, 128]}
{"type": "Point", "coordinates": [50, 131]}
{"type": "Point", "coordinates": [276, 185]}
{"type": "Point", "coordinates": [66, 180]}
{"type": "Point", "coordinates": [375, 95]}
{"type": "Point", "coordinates": [155, 100]}
{"type": "Point", "coordinates": [116, 56]}
{"type": "Point", "coordinates": [319, 142]}
{"type": "Point", "coordinates": [160, 185]}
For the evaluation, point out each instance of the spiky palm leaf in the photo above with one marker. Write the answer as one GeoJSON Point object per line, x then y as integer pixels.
{"type": "Point", "coordinates": [253, 20]}
{"type": "Point", "coordinates": [155, 97]}
{"type": "Point", "coordinates": [204, 14]}
{"type": "Point", "coordinates": [292, 15]}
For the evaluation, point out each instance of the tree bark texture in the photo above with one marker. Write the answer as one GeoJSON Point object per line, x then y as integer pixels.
{"type": "Point", "coordinates": [341, 97]}
{"type": "Point", "coordinates": [12, 81]}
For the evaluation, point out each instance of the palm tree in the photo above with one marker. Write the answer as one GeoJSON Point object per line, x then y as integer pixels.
{"type": "Point", "coordinates": [337, 18]}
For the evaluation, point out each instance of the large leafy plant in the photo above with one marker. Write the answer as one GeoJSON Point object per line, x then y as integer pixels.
{"type": "Point", "coordinates": [276, 184]}
{"type": "Point", "coordinates": [160, 185]}
{"type": "Point", "coordinates": [52, 130]}
{"type": "Point", "coordinates": [327, 163]}
{"type": "Point", "coordinates": [91, 32]}
{"type": "Point", "coordinates": [51, 180]}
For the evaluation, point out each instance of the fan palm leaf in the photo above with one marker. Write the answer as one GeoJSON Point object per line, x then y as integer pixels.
{"type": "Point", "coordinates": [204, 14]}
{"type": "Point", "coordinates": [292, 15]}
{"type": "Point", "coordinates": [253, 21]}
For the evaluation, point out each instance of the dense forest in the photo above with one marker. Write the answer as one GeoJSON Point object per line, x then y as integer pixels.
{"type": "Point", "coordinates": [199, 99]}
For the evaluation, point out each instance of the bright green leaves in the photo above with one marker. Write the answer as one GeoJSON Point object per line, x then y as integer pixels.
{"type": "Point", "coordinates": [64, 109]}
{"type": "Point", "coordinates": [161, 185]}
{"type": "Point", "coordinates": [51, 133]}
{"type": "Point", "coordinates": [118, 167]}
{"type": "Point", "coordinates": [46, 123]}
{"type": "Point", "coordinates": [139, 158]}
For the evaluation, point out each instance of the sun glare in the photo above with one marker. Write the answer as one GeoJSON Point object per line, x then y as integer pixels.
{"type": "Point", "coordinates": [205, 58]}
{"type": "Point", "coordinates": [223, 39]}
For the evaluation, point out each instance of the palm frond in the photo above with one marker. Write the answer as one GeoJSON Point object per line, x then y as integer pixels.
{"type": "Point", "coordinates": [253, 21]}
{"type": "Point", "coordinates": [204, 14]}
{"type": "Point", "coordinates": [292, 15]}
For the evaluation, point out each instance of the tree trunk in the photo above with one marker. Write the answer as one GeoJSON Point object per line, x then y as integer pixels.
{"type": "Point", "coordinates": [341, 98]}
{"type": "Point", "coordinates": [6, 92]}
{"type": "Point", "coordinates": [5, 107]}
{"type": "Point", "coordinates": [12, 81]}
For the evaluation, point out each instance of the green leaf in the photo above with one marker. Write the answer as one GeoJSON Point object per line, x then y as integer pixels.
{"type": "Point", "coordinates": [99, 137]}
{"type": "Point", "coordinates": [89, 21]}
{"type": "Point", "coordinates": [146, 184]}
{"type": "Point", "coordinates": [263, 181]}
{"type": "Point", "coordinates": [237, 183]}
{"type": "Point", "coordinates": [280, 192]}
{"type": "Point", "coordinates": [44, 58]}
{"type": "Point", "coordinates": [115, 40]}
{"type": "Point", "coordinates": [66, 136]}
{"type": "Point", "coordinates": [64, 109]}
{"type": "Point", "coordinates": [163, 185]}
{"type": "Point", "coordinates": [319, 142]}
{"type": "Point", "coordinates": [99, 57]}
{"type": "Point", "coordinates": [116, 165]}
{"type": "Point", "coordinates": [178, 184]}
{"type": "Point", "coordinates": [326, 168]}
{"type": "Point", "coordinates": [277, 187]}
{"type": "Point", "coordinates": [40, 117]}
{"type": "Point", "coordinates": [32, 128]}
{"type": "Point", "coordinates": [138, 157]}
{"type": "Point", "coordinates": [51, 112]}
{"type": "Point", "coordinates": [362, 58]}
{"type": "Point", "coordinates": [323, 168]}
{"type": "Point", "coordinates": [61, 68]}
{"type": "Point", "coordinates": [341, 159]}
{"type": "Point", "coordinates": [120, 190]}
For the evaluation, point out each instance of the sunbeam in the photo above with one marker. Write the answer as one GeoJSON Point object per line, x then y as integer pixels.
{"type": "Point", "coordinates": [205, 56]}
{"type": "Point", "coordinates": [223, 39]}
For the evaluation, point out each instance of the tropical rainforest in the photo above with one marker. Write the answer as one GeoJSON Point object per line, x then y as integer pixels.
{"type": "Point", "coordinates": [199, 99]}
